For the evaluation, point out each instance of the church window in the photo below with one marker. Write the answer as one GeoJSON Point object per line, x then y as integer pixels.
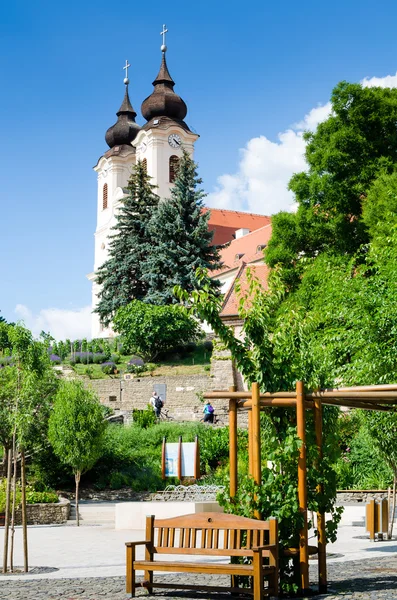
{"type": "Point", "coordinates": [144, 164]}
{"type": "Point", "coordinates": [174, 162]}
{"type": "Point", "coordinates": [105, 196]}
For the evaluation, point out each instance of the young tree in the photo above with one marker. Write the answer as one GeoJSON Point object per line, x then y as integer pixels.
{"type": "Point", "coordinates": [120, 277]}
{"type": "Point", "coordinates": [181, 241]}
{"type": "Point", "coordinates": [27, 385]}
{"type": "Point", "coordinates": [76, 429]}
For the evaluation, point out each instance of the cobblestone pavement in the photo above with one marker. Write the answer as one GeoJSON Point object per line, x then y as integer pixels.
{"type": "Point", "coordinates": [374, 579]}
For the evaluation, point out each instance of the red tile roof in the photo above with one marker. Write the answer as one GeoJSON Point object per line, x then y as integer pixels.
{"type": "Point", "coordinates": [246, 249]}
{"type": "Point", "coordinates": [231, 300]}
{"type": "Point", "coordinates": [225, 223]}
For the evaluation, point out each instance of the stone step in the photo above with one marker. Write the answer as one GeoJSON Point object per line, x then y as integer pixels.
{"type": "Point", "coordinates": [93, 512]}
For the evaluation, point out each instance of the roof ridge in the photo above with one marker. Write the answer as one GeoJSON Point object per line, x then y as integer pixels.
{"type": "Point", "coordinates": [240, 212]}
{"type": "Point", "coordinates": [228, 294]}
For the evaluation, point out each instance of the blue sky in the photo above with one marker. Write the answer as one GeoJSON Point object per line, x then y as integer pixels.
{"type": "Point", "coordinates": [247, 72]}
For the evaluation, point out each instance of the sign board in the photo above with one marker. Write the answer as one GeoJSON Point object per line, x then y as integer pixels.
{"type": "Point", "coordinates": [186, 453]}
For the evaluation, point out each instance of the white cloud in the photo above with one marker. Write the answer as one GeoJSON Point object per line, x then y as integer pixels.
{"type": "Point", "coordinates": [61, 323]}
{"type": "Point", "coordinates": [389, 81]}
{"type": "Point", "coordinates": [265, 167]}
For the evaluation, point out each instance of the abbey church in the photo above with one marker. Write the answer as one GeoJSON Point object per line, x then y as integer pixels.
{"type": "Point", "coordinates": [158, 144]}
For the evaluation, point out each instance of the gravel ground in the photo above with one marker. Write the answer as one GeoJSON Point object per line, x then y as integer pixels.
{"type": "Point", "coordinates": [374, 579]}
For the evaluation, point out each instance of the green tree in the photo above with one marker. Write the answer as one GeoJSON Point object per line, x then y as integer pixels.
{"type": "Point", "coordinates": [120, 277]}
{"type": "Point", "coordinates": [348, 151]}
{"type": "Point", "coordinates": [150, 330]}
{"type": "Point", "coordinates": [27, 386]}
{"type": "Point", "coordinates": [76, 429]}
{"type": "Point", "coordinates": [181, 241]}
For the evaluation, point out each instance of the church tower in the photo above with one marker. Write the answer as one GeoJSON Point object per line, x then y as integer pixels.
{"type": "Point", "coordinates": [158, 144]}
{"type": "Point", "coordinates": [162, 138]}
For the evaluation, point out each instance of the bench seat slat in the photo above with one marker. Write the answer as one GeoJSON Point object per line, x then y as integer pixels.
{"type": "Point", "coordinates": [190, 567]}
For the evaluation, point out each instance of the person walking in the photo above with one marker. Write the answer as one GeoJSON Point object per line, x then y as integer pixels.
{"type": "Point", "coordinates": [157, 404]}
{"type": "Point", "coordinates": [208, 411]}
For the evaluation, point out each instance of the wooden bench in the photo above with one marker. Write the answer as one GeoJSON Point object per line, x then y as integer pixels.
{"type": "Point", "coordinates": [208, 534]}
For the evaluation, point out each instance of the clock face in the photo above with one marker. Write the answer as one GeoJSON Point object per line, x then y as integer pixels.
{"type": "Point", "coordinates": [174, 140]}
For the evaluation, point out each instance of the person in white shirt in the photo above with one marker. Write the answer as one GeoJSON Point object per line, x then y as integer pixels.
{"type": "Point", "coordinates": [156, 403]}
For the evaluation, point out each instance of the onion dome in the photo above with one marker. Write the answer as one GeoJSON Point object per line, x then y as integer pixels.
{"type": "Point", "coordinates": [163, 102]}
{"type": "Point", "coordinates": [125, 130]}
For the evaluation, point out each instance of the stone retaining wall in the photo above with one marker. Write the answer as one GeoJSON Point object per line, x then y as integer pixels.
{"type": "Point", "coordinates": [183, 393]}
{"type": "Point", "coordinates": [46, 514]}
{"type": "Point", "coordinates": [359, 496]}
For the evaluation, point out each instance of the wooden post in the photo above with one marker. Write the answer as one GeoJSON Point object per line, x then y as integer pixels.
{"type": "Point", "coordinates": [256, 437]}
{"type": "Point", "coordinates": [180, 459]}
{"type": "Point", "coordinates": [196, 458]}
{"type": "Point", "coordinates": [148, 575]}
{"type": "Point", "coordinates": [163, 459]}
{"type": "Point", "coordinates": [321, 537]}
{"type": "Point", "coordinates": [302, 486]}
{"type": "Point", "coordinates": [371, 525]}
{"type": "Point", "coordinates": [233, 443]}
{"type": "Point", "coordinates": [250, 469]}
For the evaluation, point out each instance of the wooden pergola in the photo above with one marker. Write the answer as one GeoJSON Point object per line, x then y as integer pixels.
{"type": "Point", "coordinates": [374, 397]}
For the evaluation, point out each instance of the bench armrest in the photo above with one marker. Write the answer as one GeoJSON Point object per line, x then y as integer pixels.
{"type": "Point", "coordinates": [260, 548]}
{"type": "Point", "coordinates": [141, 543]}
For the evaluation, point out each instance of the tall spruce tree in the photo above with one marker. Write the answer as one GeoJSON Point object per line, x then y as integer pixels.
{"type": "Point", "coordinates": [181, 241]}
{"type": "Point", "coordinates": [120, 277]}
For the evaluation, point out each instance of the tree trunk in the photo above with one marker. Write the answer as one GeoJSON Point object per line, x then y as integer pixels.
{"type": "Point", "coordinates": [7, 511]}
{"type": "Point", "coordinates": [24, 516]}
{"type": "Point", "coordinates": [393, 509]}
{"type": "Point", "coordinates": [14, 498]}
{"type": "Point", "coordinates": [77, 479]}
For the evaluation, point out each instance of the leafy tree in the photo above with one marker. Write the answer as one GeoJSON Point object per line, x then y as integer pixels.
{"type": "Point", "coordinates": [149, 330]}
{"type": "Point", "coordinates": [181, 241]}
{"type": "Point", "coordinates": [348, 151]}
{"type": "Point", "coordinates": [120, 277]}
{"type": "Point", "coordinates": [27, 385]}
{"type": "Point", "coordinates": [76, 429]}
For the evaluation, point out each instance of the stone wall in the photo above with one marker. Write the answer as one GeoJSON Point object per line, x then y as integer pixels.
{"type": "Point", "coordinates": [359, 496]}
{"type": "Point", "coordinates": [45, 514]}
{"type": "Point", "coordinates": [182, 397]}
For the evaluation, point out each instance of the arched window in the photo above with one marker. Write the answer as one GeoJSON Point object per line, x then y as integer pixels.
{"type": "Point", "coordinates": [174, 162]}
{"type": "Point", "coordinates": [144, 164]}
{"type": "Point", "coordinates": [105, 196]}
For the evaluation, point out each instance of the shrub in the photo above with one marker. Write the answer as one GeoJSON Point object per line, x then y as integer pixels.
{"type": "Point", "coordinates": [150, 330]}
{"type": "Point", "coordinates": [208, 346]}
{"type": "Point", "coordinates": [136, 369]}
{"type": "Point", "coordinates": [115, 357]}
{"type": "Point", "coordinates": [47, 497]}
{"type": "Point", "coordinates": [144, 418]}
{"type": "Point", "coordinates": [109, 368]}
{"type": "Point", "coordinates": [55, 359]}
{"type": "Point", "coordinates": [136, 361]}
{"type": "Point", "coordinates": [89, 371]}
{"type": "Point", "coordinates": [190, 347]}
{"type": "Point", "coordinates": [99, 358]}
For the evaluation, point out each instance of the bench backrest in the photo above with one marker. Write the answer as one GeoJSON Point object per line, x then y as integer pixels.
{"type": "Point", "coordinates": [212, 534]}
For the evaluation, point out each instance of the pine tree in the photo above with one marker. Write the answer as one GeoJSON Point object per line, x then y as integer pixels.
{"type": "Point", "coordinates": [181, 241]}
{"type": "Point", "coordinates": [120, 277]}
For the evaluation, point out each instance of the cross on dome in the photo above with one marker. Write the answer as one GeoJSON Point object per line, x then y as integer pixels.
{"type": "Point", "coordinates": [163, 46]}
{"type": "Point", "coordinates": [127, 65]}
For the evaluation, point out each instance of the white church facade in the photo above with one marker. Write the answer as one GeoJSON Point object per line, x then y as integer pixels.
{"type": "Point", "coordinates": [159, 145]}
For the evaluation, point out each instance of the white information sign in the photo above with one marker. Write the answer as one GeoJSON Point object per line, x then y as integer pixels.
{"type": "Point", "coordinates": [172, 459]}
